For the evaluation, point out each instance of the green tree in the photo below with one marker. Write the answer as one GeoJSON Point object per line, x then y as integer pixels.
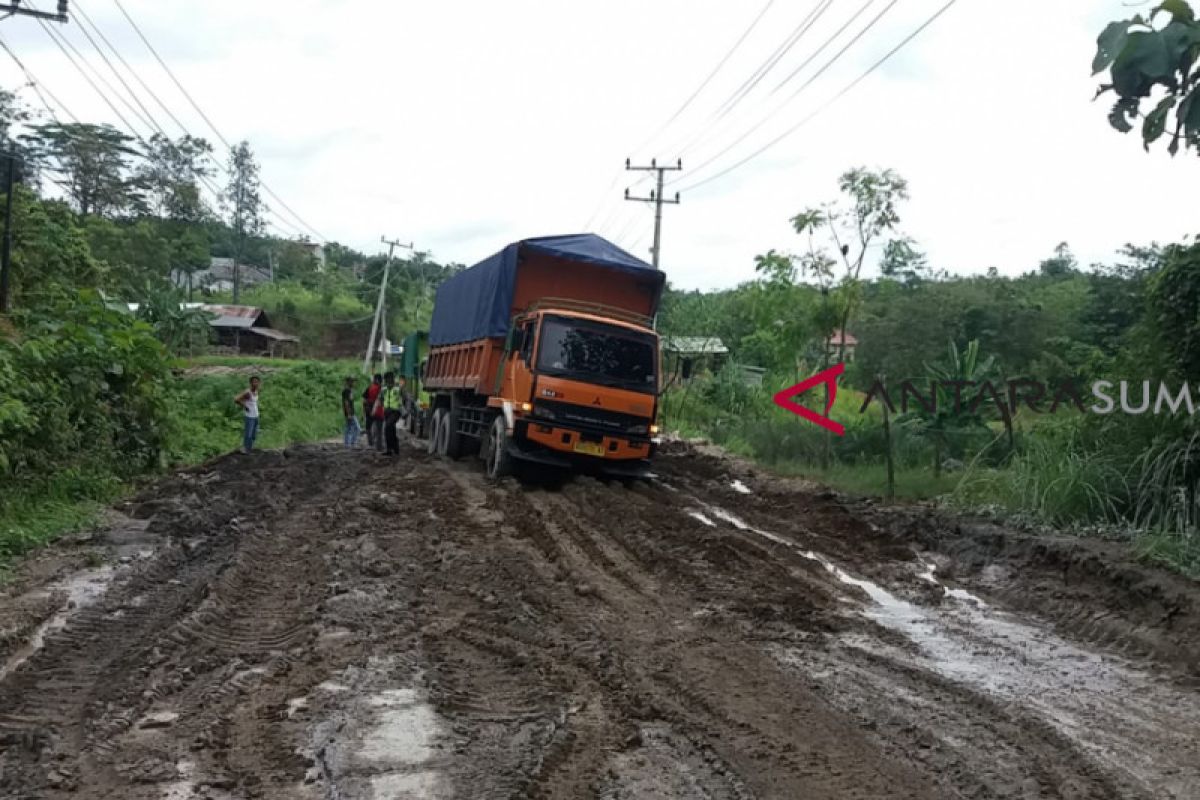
{"type": "Point", "coordinates": [1154, 59]}
{"type": "Point", "coordinates": [948, 421]}
{"type": "Point", "coordinates": [902, 261]}
{"type": "Point", "coordinates": [92, 164]}
{"type": "Point", "coordinates": [170, 174]}
{"type": "Point", "coordinates": [869, 211]}
{"type": "Point", "coordinates": [243, 204]}
{"type": "Point", "coordinates": [1061, 264]}
{"type": "Point", "coordinates": [1173, 310]}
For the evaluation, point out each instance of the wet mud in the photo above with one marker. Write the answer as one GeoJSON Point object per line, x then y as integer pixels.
{"type": "Point", "coordinates": [317, 623]}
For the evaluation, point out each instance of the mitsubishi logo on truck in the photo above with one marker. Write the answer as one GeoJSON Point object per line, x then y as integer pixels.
{"type": "Point", "coordinates": [596, 402]}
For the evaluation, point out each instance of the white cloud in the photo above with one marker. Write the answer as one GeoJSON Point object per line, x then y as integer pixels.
{"type": "Point", "coordinates": [467, 125]}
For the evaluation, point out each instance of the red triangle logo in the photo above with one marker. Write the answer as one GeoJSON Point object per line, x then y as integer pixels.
{"type": "Point", "coordinates": [828, 377]}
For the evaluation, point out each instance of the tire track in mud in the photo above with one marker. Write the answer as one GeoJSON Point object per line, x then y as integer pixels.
{"type": "Point", "coordinates": [329, 624]}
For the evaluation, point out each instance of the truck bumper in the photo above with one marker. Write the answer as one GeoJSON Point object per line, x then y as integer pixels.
{"type": "Point", "coordinates": [572, 443]}
{"type": "Point", "coordinates": [536, 453]}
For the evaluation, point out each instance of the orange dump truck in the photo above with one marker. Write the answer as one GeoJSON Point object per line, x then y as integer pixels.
{"type": "Point", "coordinates": [546, 353]}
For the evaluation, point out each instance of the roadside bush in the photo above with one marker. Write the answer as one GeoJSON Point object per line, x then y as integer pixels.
{"type": "Point", "coordinates": [82, 408]}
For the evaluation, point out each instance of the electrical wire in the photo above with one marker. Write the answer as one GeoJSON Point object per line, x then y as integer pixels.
{"type": "Point", "coordinates": [37, 88]}
{"type": "Point", "coordinates": [712, 74]}
{"type": "Point", "coordinates": [148, 120]}
{"type": "Point", "coordinates": [78, 9]}
{"type": "Point", "coordinates": [765, 68]}
{"type": "Point", "coordinates": [842, 93]}
{"type": "Point", "coordinates": [684, 106]}
{"type": "Point", "coordinates": [812, 79]}
{"type": "Point", "coordinates": [208, 121]}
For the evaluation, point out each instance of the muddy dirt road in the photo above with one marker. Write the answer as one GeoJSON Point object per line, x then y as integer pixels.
{"type": "Point", "coordinates": [315, 624]}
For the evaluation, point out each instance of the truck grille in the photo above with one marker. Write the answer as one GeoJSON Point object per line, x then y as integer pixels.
{"type": "Point", "coordinates": [597, 419]}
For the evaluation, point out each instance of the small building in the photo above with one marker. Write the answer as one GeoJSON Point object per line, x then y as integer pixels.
{"type": "Point", "coordinates": [687, 356]}
{"type": "Point", "coordinates": [833, 345]}
{"type": "Point", "coordinates": [246, 329]}
{"type": "Point", "coordinates": [751, 376]}
{"type": "Point", "coordinates": [218, 277]}
{"type": "Point", "coordinates": [314, 249]}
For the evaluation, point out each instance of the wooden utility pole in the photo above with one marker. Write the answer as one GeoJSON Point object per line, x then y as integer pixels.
{"type": "Point", "coordinates": [387, 265]}
{"type": "Point", "coordinates": [656, 197]}
{"type": "Point", "coordinates": [887, 441]}
{"type": "Point", "coordinates": [6, 244]}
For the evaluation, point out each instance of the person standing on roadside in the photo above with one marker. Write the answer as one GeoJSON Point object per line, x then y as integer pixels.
{"type": "Point", "coordinates": [370, 400]}
{"type": "Point", "coordinates": [248, 400]}
{"type": "Point", "coordinates": [392, 400]}
{"type": "Point", "coordinates": [353, 430]}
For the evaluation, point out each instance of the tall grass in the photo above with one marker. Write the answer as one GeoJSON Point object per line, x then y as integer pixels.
{"type": "Point", "coordinates": [1137, 479]}
{"type": "Point", "coordinates": [297, 404]}
{"type": "Point", "coordinates": [300, 403]}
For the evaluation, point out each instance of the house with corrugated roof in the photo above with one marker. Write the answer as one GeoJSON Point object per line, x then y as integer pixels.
{"type": "Point", "coordinates": [246, 329]}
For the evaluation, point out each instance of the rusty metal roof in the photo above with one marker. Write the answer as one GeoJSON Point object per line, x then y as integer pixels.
{"type": "Point", "coordinates": [230, 316]}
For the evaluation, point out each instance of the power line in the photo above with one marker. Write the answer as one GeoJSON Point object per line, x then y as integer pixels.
{"type": "Point", "coordinates": [686, 103]}
{"type": "Point", "coordinates": [812, 79]}
{"type": "Point", "coordinates": [208, 121]}
{"type": "Point", "coordinates": [844, 91]}
{"type": "Point", "coordinates": [133, 72]}
{"type": "Point", "coordinates": [797, 34]}
{"type": "Point", "coordinates": [37, 89]}
{"type": "Point", "coordinates": [148, 120]}
{"type": "Point", "coordinates": [92, 83]}
{"type": "Point", "coordinates": [715, 70]}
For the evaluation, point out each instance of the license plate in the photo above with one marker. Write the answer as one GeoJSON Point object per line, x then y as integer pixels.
{"type": "Point", "coordinates": [590, 448]}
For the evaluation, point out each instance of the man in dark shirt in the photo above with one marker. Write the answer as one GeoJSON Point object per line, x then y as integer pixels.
{"type": "Point", "coordinates": [372, 415]}
{"type": "Point", "coordinates": [352, 430]}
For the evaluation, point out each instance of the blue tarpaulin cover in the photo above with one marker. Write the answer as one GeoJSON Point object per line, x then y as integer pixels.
{"type": "Point", "coordinates": [476, 303]}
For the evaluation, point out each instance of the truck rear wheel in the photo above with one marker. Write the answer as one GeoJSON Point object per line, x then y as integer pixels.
{"type": "Point", "coordinates": [435, 424]}
{"type": "Point", "coordinates": [499, 461]}
{"type": "Point", "coordinates": [454, 439]}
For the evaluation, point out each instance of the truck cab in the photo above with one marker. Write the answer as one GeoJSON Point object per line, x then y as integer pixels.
{"type": "Point", "coordinates": [581, 382]}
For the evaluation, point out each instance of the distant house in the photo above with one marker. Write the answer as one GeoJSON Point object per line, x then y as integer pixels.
{"type": "Point", "coordinates": [833, 345]}
{"type": "Point", "coordinates": [316, 250]}
{"type": "Point", "coordinates": [246, 329]}
{"type": "Point", "coordinates": [218, 277]}
{"type": "Point", "coordinates": [688, 355]}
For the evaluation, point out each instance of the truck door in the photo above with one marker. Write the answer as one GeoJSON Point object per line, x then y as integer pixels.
{"type": "Point", "coordinates": [520, 363]}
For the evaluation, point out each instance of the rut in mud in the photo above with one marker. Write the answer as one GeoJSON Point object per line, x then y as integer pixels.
{"type": "Point", "coordinates": [320, 623]}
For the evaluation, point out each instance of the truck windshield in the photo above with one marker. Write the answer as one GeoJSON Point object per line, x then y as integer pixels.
{"type": "Point", "coordinates": [598, 353]}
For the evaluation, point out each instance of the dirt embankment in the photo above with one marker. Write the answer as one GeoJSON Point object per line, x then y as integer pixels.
{"type": "Point", "coordinates": [327, 624]}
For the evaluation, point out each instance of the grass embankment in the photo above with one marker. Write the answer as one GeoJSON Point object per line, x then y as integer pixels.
{"type": "Point", "coordinates": [299, 402]}
{"type": "Point", "coordinates": [1122, 480]}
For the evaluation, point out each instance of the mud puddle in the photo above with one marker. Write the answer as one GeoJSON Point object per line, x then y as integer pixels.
{"type": "Point", "coordinates": [81, 590]}
{"type": "Point", "coordinates": [1111, 708]}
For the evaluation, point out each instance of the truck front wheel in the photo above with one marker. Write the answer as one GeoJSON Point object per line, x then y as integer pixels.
{"type": "Point", "coordinates": [499, 460]}
{"type": "Point", "coordinates": [435, 427]}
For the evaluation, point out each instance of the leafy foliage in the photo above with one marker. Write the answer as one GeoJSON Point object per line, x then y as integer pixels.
{"type": "Point", "coordinates": [1153, 60]}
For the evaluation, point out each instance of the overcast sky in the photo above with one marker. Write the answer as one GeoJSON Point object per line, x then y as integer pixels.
{"type": "Point", "coordinates": [463, 126]}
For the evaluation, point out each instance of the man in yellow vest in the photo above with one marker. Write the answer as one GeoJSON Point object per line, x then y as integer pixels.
{"type": "Point", "coordinates": [392, 398]}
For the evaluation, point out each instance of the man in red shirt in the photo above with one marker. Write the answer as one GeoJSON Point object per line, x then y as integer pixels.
{"type": "Point", "coordinates": [372, 415]}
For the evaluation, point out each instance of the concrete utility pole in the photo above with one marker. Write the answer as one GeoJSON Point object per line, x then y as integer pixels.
{"type": "Point", "coordinates": [387, 266]}
{"type": "Point", "coordinates": [656, 197]}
